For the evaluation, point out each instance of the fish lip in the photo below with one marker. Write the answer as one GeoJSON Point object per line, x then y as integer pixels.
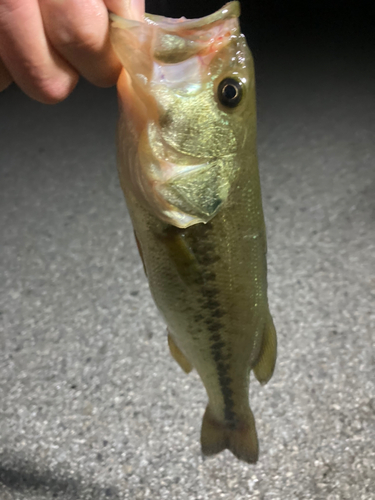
{"type": "Point", "coordinates": [122, 22]}
{"type": "Point", "coordinates": [229, 11]}
{"type": "Point", "coordinates": [198, 34]}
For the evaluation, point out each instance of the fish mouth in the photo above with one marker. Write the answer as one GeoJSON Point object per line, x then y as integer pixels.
{"type": "Point", "coordinates": [179, 188]}
{"type": "Point", "coordinates": [231, 10]}
{"type": "Point", "coordinates": [174, 40]}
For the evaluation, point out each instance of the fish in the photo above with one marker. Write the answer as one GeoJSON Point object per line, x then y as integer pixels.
{"type": "Point", "coordinates": [187, 163]}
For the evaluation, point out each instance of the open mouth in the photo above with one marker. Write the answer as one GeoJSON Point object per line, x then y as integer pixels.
{"type": "Point", "coordinates": [184, 177]}
{"type": "Point", "coordinates": [174, 40]}
{"type": "Point", "coordinates": [230, 10]}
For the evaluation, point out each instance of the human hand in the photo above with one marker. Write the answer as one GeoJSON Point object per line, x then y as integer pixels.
{"type": "Point", "coordinates": [46, 44]}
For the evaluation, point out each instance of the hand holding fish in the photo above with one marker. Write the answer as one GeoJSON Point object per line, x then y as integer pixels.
{"type": "Point", "coordinates": [188, 168]}
{"type": "Point", "coordinates": [45, 45]}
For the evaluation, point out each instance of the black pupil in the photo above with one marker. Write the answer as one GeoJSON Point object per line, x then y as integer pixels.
{"type": "Point", "coordinates": [229, 92]}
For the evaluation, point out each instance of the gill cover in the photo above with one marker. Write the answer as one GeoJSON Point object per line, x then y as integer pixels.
{"type": "Point", "coordinates": [187, 140]}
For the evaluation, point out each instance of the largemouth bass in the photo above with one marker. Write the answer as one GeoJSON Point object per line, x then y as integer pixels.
{"type": "Point", "coordinates": [188, 168]}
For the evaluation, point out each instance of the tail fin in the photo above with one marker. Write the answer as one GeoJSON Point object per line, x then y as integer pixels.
{"type": "Point", "coordinates": [242, 440]}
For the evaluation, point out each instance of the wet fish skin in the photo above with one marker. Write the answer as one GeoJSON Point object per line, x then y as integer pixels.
{"type": "Point", "coordinates": [188, 168]}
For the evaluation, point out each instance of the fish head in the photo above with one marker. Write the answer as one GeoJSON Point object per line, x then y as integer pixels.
{"type": "Point", "coordinates": [187, 96]}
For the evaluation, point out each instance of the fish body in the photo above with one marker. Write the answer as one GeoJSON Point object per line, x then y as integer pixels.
{"type": "Point", "coordinates": [188, 168]}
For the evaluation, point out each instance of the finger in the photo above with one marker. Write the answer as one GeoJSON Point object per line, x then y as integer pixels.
{"type": "Point", "coordinates": [129, 9]}
{"type": "Point", "coordinates": [34, 65]}
{"type": "Point", "coordinates": [79, 32]}
{"type": "Point", "coordinates": [5, 77]}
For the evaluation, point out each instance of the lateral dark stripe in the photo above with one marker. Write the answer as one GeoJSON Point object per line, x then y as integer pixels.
{"type": "Point", "coordinates": [211, 304]}
{"type": "Point", "coordinates": [205, 254]}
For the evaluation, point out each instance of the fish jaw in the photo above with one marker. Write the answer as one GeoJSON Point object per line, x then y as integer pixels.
{"type": "Point", "coordinates": [164, 84]}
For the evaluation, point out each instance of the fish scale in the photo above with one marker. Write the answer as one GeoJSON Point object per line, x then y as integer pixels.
{"type": "Point", "coordinates": [199, 228]}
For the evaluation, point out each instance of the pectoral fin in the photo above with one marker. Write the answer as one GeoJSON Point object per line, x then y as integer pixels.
{"type": "Point", "coordinates": [181, 256]}
{"type": "Point", "coordinates": [263, 370]}
{"type": "Point", "coordinates": [178, 356]}
{"type": "Point", "coordinates": [140, 252]}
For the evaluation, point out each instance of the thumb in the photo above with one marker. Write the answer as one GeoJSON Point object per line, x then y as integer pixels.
{"type": "Point", "coordinates": [128, 9]}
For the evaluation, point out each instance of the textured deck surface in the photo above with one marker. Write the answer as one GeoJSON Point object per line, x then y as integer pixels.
{"type": "Point", "coordinates": [92, 406]}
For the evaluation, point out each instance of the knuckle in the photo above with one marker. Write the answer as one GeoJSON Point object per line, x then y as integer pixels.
{"type": "Point", "coordinates": [84, 38]}
{"type": "Point", "coordinates": [53, 89]}
{"type": "Point", "coordinates": [46, 81]}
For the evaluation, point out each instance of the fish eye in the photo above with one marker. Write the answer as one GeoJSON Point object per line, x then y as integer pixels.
{"type": "Point", "coordinates": [230, 92]}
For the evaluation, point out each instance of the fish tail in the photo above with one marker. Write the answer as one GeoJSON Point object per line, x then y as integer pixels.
{"type": "Point", "coordinates": [241, 440]}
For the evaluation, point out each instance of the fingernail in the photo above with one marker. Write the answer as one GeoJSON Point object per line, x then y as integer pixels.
{"type": "Point", "coordinates": [137, 9]}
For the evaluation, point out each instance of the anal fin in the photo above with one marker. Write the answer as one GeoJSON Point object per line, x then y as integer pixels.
{"type": "Point", "coordinates": [263, 370]}
{"type": "Point", "coordinates": [178, 356]}
{"type": "Point", "coordinates": [140, 251]}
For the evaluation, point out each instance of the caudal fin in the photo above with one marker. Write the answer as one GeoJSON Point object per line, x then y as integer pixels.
{"type": "Point", "coordinates": [241, 440]}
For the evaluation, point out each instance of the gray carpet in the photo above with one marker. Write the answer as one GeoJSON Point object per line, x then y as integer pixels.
{"type": "Point", "coordinates": [92, 406]}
